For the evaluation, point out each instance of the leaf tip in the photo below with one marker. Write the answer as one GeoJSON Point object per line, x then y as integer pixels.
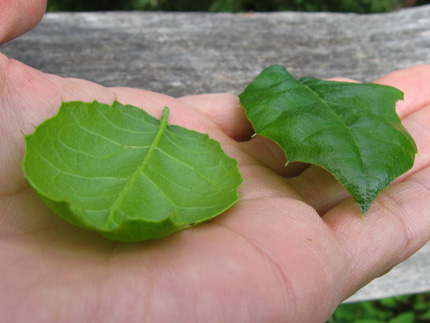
{"type": "Point", "coordinates": [364, 207]}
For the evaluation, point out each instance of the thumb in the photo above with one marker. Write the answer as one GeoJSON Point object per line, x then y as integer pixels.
{"type": "Point", "coordinates": [19, 16]}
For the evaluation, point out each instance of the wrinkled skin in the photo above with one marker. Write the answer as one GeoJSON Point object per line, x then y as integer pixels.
{"type": "Point", "coordinates": [290, 250]}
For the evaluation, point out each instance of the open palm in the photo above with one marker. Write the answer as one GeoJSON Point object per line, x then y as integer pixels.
{"type": "Point", "coordinates": [291, 249]}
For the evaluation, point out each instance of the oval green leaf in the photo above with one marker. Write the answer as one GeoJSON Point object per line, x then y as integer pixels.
{"type": "Point", "coordinates": [118, 170]}
{"type": "Point", "coordinates": [349, 129]}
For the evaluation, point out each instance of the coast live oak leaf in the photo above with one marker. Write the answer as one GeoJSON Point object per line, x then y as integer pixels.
{"type": "Point", "coordinates": [349, 129]}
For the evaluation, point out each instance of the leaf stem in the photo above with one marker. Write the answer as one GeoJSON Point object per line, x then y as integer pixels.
{"type": "Point", "coordinates": [145, 162]}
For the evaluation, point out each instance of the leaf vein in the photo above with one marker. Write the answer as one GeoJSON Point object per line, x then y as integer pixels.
{"type": "Point", "coordinates": [101, 113]}
{"type": "Point", "coordinates": [78, 175]}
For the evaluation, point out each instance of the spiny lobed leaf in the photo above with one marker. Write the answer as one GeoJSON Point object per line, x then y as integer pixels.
{"type": "Point", "coordinates": [349, 129]}
{"type": "Point", "coordinates": [118, 170]}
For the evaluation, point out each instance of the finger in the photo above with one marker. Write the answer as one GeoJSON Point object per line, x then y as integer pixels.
{"type": "Point", "coordinates": [272, 156]}
{"type": "Point", "coordinates": [418, 126]}
{"type": "Point", "coordinates": [19, 16]}
{"type": "Point", "coordinates": [396, 226]}
{"type": "Point", "coordinates": [223, 109]}
{"type": "Point", "coordinates": [30, 96]}
{"type": "Point", "coordinates": [27, 97]}
{"type": "Point", "coordinates": [181, 113]}
{"type": "Point", "coordinates": [413, 82]}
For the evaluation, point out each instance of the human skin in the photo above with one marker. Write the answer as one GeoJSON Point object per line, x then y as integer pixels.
{"type": "Point", "coordinates": [290, 250]}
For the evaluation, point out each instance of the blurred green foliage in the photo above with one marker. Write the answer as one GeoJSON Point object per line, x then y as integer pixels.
{"type": "Point", "coordinates": [400, 309]}
{"type": "Point", "coordinates": [359, 6]}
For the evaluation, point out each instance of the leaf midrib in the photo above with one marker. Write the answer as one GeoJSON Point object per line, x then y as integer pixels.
{"type": "Point", "coordinates": [140, 169]}
{"type": "Point", "coordinates": [344, 124]}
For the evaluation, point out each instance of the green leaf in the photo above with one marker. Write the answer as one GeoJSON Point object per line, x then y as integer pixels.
{"type": "Point", "coordinates": [425, 316]}
{"type": "Point", "coordinates": [349, 129]}
{"type": "Point", "coordinates": [119, 171]}
{"type": "Point", "coordinates": [421, 302]}
{"type": "Point", "coordinates": [406, 317]}
{"type": "Point", "coordinates": [390, 302]}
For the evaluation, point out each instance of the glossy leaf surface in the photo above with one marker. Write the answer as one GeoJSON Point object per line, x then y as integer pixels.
{"type": "Point", "coordinates": [118, 170]}
{"type": "Point", "coordinates": [349, 129]}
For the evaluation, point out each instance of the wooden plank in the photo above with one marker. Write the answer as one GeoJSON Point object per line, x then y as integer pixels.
{"type": "Point", "coordinates": [183, 53]}
{"type": "Point", "coordinates": [189, 53]}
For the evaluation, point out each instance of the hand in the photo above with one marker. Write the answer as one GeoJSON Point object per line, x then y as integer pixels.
{"type": "Point", "coordinates": [291, 249]}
